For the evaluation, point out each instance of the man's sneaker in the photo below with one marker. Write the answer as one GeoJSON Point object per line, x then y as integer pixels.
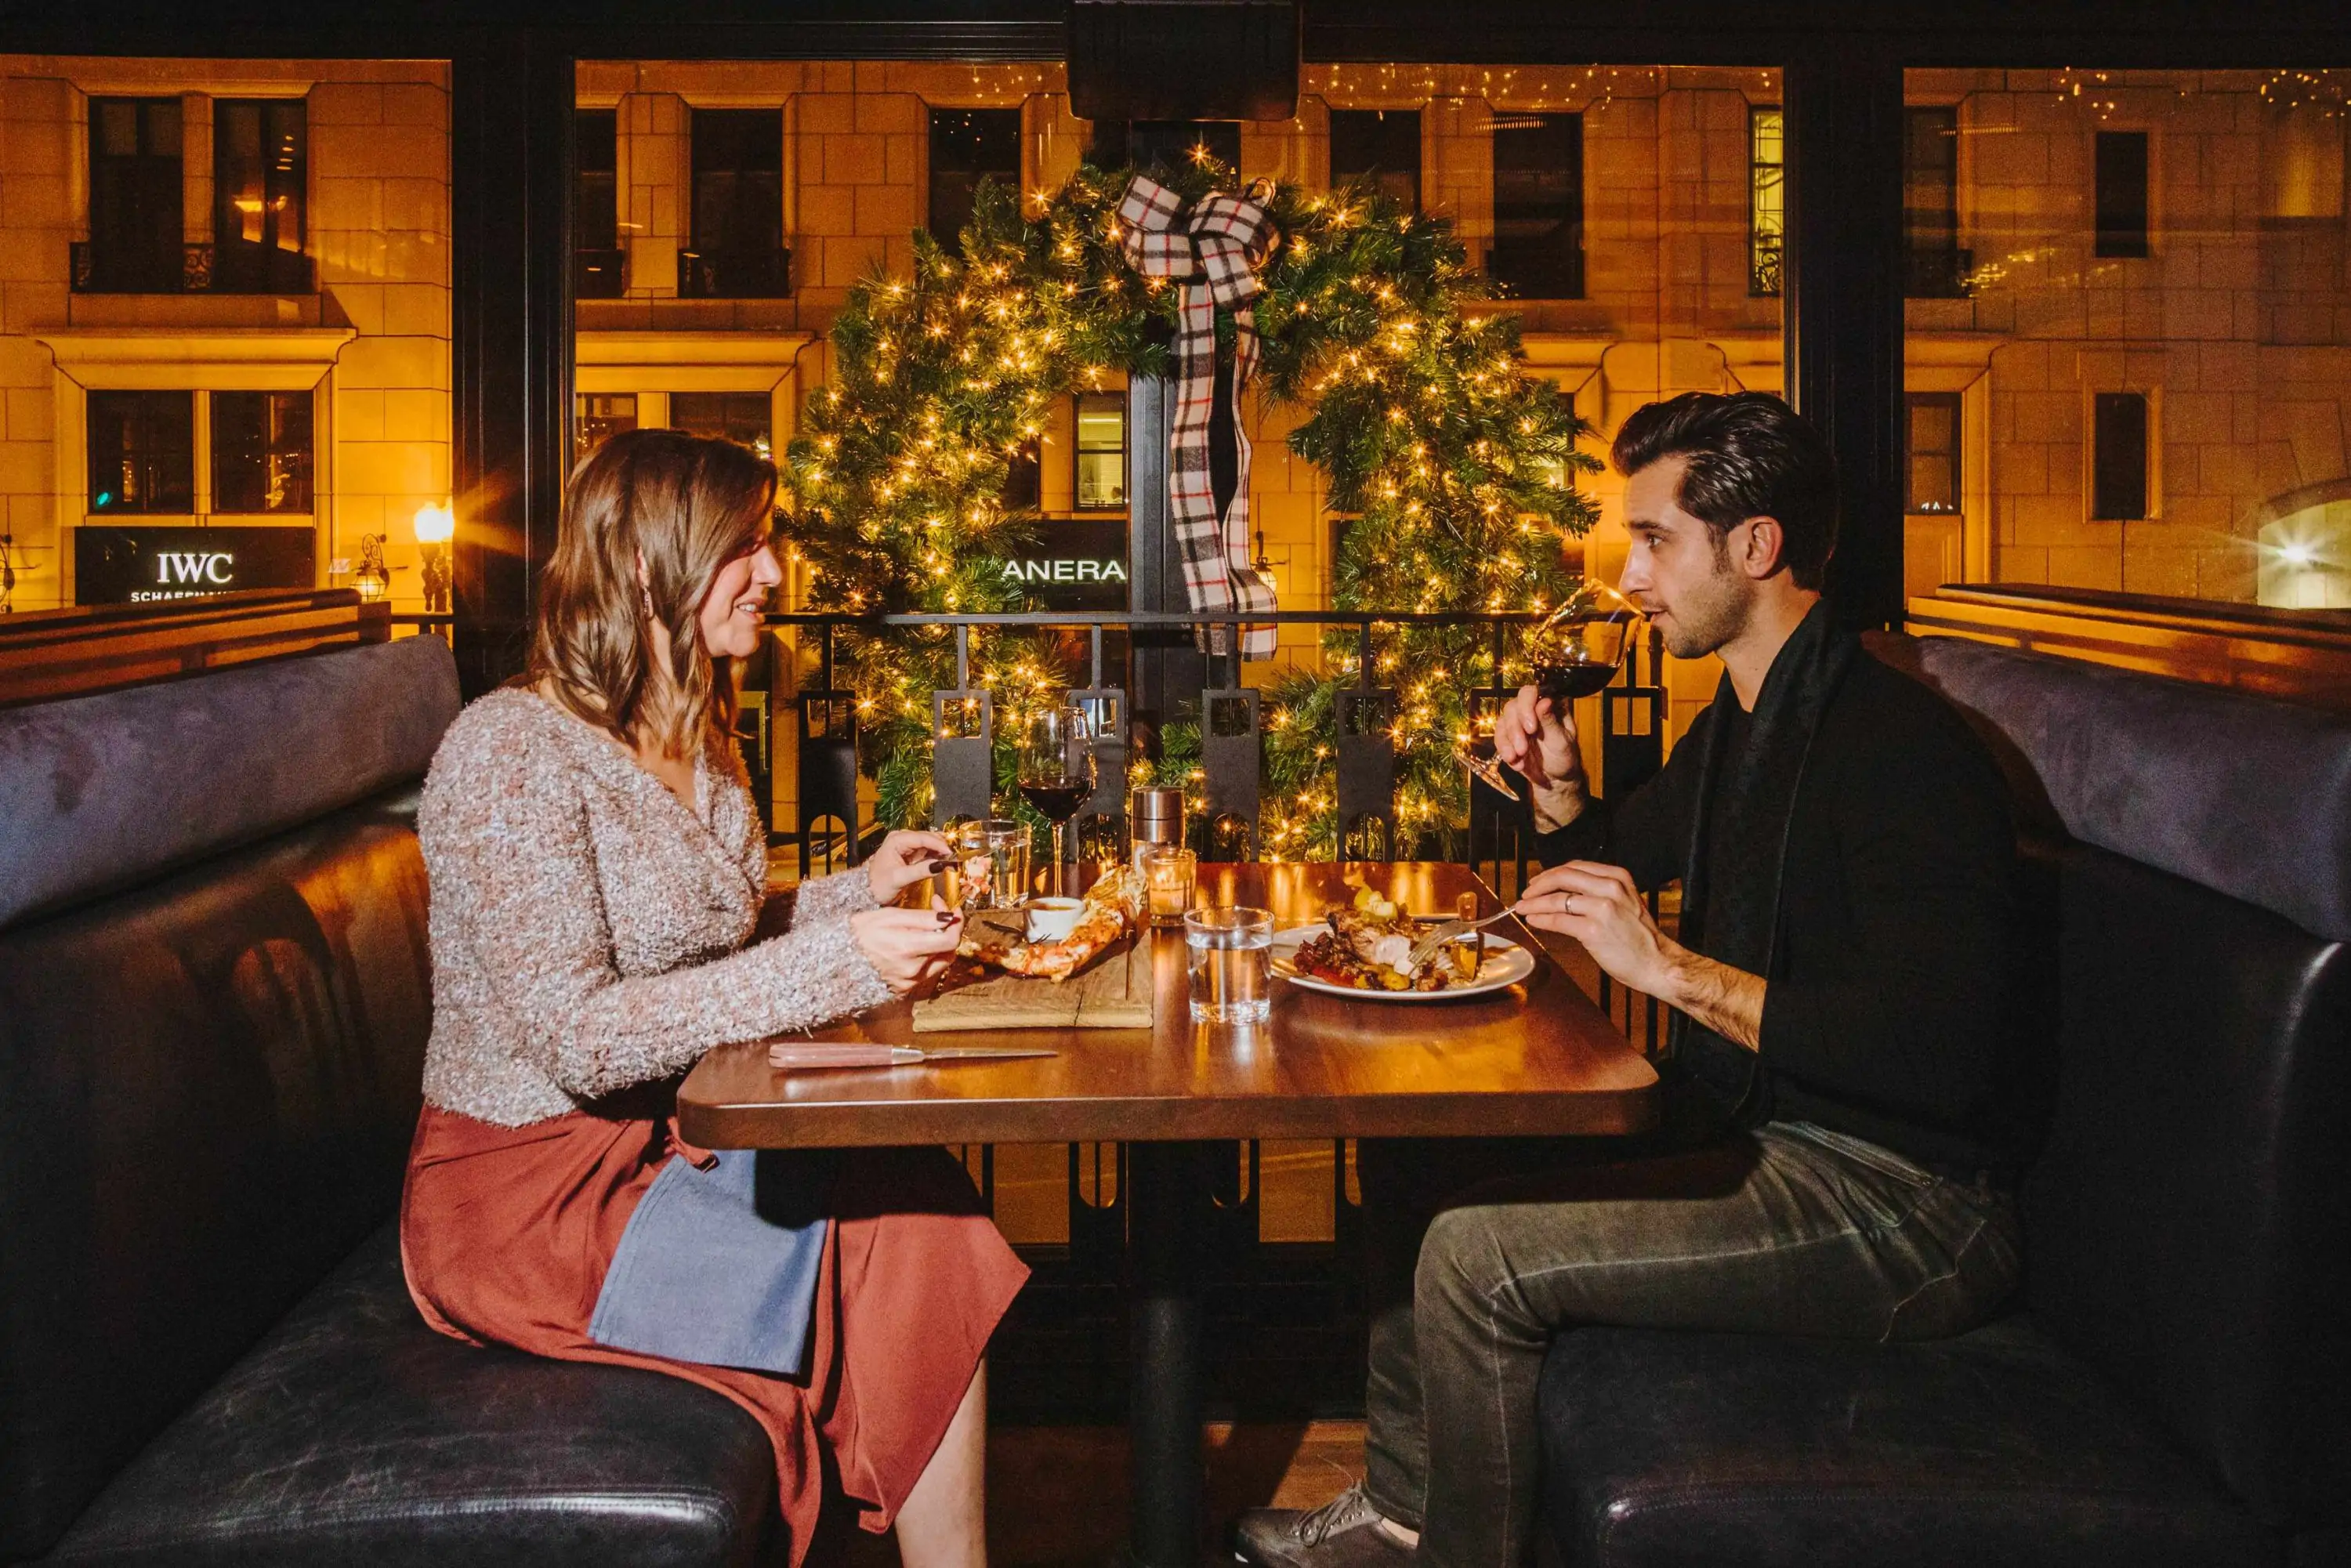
{"type": "Point", "coordinates": [1342, 1533]}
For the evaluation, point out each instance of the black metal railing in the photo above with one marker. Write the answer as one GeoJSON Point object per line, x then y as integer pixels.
{"type": "Point", "coordinates": [599, 274]}
{"type": "Point", "coordinates": [824, 733]}
{"type": "Point", "coordinates": [190, 268]}
{"type": "Point", "coordinates": [734, 274]}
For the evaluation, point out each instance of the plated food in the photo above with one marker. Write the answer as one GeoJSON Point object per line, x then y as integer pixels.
{"type": "Point", "coordinates": [1111, 909]}
{"type": "Point", "coordinates": [1366, 947]}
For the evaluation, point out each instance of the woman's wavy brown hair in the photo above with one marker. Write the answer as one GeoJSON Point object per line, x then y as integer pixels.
{"type": "Point", "coordinates": [686, 506]}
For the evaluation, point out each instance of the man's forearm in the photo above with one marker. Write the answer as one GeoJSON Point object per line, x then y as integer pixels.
{"type": "Point", "coordinates": [1727, 1001]}
{"type": "Point", "coordinates": [1557, 805]}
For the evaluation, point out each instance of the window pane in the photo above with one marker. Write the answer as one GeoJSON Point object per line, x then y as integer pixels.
{"type": "Point", "coordinates": [1102, 451]}
{"type": "Point", "coordinates": [739, 205]}
{"type": "Point", "coordinates": [595, 215]}
{"type": "Point", "coordinates": [1767, 202]}
{"type": "Point", "coordinates": [1934, 466]}
{"type": "Point", "coordinates": [2122, 193]}
{"type": "Point", "coordinates": [744, 418]}
{"type": "Point", "coordinates": [260, 180]}
{"type": "Point", "coordinates": [599, 416]}
{"type": "Point", "coordinates": [136, 226]}
{"type": "Point", "coordinates": [1539, 205]}
{"type": "Point", "coordinates": [1936, 268]}
{"type": "Point", "coordinates": [142, 451]}
{"type": "Point", "coordinates": [1380, 147]}
{"type": "Point", "coordinates": [2149, 404]}
{"type": "Point", "coordinates": [261, 452]}
{"type": "Point", "coordinates": [968, 145]}
{"type": "Point", "coordinates": [2119, 457]}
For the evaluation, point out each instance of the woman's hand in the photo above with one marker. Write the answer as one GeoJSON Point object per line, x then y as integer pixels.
{"type": "Point", "coordinates": [907, 948]}
{"type": "Point", "coordinates": [904, 860]}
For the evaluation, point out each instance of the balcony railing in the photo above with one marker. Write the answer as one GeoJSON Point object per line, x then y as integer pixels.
{"type": "Point", "coordinates": [734, 274]}
{"type": "Point", "coordinates": [824, 735]}
{"type": "Point", "coordinates": [203, 268]}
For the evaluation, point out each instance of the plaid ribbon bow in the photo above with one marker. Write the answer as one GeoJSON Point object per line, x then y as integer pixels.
{"type": "Point", "coordinates": [1214, 252]}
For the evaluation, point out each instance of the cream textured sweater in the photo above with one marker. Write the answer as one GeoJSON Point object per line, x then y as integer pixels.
{"type": "Point", "coordinates": [588, 931]}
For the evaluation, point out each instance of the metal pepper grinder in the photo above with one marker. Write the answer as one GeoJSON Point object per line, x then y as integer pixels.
{"type": "Point", "coordinates": [1156, 815]}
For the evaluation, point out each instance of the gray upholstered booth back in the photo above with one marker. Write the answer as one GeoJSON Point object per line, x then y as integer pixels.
{"type": "Point", "coordinates": [106, 790]}
{"type": "Point", "coordinates": [2245, 795]}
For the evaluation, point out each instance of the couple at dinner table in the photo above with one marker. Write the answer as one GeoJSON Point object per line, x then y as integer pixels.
{"type": "Point", "coordinates": [1833, 1154]}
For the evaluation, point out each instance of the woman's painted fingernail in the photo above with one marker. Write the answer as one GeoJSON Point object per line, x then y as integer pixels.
{"type": "Point", "coordinates": [947, 916]}
{"type": "Point", "coordinates": [941, 864]}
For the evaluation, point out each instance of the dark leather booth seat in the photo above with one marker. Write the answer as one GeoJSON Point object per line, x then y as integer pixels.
{"type": "Point", "coordinates": [2177, 1386]}
{"type": "Point", "coordinates": [208, 1080]}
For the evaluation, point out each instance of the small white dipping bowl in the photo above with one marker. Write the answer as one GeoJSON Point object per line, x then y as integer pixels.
{"type": "Point", "coordinates": [1052, 919]}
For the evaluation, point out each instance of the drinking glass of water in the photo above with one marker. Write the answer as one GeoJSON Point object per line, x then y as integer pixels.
{"type": "Point", "coordinates": [1231, 954]}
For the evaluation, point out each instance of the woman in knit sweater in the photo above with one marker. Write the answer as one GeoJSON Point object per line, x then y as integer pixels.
{"type": "Point", "coordinates": [600, 921]}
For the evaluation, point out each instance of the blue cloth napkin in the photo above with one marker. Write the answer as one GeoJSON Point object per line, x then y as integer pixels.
{"type": "Point", "coordinates": [719, 1265]}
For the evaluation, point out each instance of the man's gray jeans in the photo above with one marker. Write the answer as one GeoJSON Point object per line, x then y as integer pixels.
{"type": "Point", "coordinates": [1789, 1228]}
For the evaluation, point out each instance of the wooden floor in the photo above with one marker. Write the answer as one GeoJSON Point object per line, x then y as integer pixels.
{"type": "Point", "coordinates": [1056, 1495]}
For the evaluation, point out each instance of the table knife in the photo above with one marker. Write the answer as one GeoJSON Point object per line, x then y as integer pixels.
{"type": "Point", "coordinates": [819, 1054]}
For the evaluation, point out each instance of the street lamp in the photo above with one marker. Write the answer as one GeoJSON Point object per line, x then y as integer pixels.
{"type": "Point", "coordinates": [435, 526]}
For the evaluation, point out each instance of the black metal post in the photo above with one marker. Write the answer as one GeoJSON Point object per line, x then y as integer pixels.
{"type": "Point", "coordinates": [1168, 1188]}
{"type": "Point", "coordinates": [1169, 665]}
{"type": "Point", "coordinates": [510, 196]}
{"type": "Point", "coordinates": [1844, 321]}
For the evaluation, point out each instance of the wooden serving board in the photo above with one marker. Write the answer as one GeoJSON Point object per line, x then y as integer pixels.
{"type": "Point", "coordinates": [1112, 992]}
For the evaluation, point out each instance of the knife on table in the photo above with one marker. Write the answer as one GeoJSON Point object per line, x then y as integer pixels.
{"type": "Point", "coordinates": [815, 1053]}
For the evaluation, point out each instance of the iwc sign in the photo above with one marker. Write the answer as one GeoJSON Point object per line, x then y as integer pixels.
{"type": "Point", "coordinates": [132, 565]}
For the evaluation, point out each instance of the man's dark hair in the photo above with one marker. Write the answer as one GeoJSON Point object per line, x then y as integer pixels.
{"type": "Point", "coordinates": [1750, 455]}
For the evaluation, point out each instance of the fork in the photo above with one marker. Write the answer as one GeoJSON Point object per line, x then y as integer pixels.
{"type": "Point", "coordinates": [1425, 948]}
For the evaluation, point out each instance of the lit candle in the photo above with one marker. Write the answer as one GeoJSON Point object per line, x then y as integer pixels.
{"type": "Point", "coordinates": [1168, 876]}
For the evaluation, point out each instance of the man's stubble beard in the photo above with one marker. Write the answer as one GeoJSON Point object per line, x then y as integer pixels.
{"type": "Point", "coordinates": [1711, 614]}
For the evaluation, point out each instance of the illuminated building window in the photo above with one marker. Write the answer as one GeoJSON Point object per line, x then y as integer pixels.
{"type": "Point", "coordinates": [598, 271]}
{"type": "Point", "coordinates": [261, 451]}
{"type": "Point", "coordinates": [744, 418]}
{"type": "Point", "coordinates": [968, 145]}
{"type": "Point", "coordinates": [260, 184]}
{"type": "Point", "coordinates": [1936, 267]}
{"type": "Point", "coordinates": [1380, 147]}
{"type": "Point", "coordinates": [135, 225]}
{"type": "Point", "coordinates": [1931, 465]}
{"type": "Point", "coordinates": [2121, 177]}
{"type": "Point", "coordinates": [1767, 200]}
{"type": "Point", "coordinates": [1163, 144]}
{"type": "Point", "coordinates": [1102, 451]}
{"type": "Point", "coordinates": [597, 417]}
{"type": "Point", "coordinates": [737, 207]}
{"type": "Point", "coordinates": [142, 451]}
{"type": "Point", "coordinates": [1539, 205]}
{"type": "Point", "coordinates": [2119, 457]}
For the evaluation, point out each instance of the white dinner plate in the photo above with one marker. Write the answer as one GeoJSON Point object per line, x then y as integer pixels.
{"type": "Point", "coordinates": [1506, 964]}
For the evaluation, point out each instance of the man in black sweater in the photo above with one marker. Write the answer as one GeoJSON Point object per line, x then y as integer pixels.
{"type": "Point", "coordinates": [1834, 1156]}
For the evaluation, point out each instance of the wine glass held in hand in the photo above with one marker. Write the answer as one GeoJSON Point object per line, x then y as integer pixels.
{"type": "Point", "coordinates": [1057, 769]}
{"type": "Point", "coordinates": [1579, 649]}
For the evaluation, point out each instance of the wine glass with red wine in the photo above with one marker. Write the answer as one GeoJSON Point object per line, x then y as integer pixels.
{"type": "Point", "coordinates": [1581, 647]}
{"type": "Point", "coordinates": [1057, 769]}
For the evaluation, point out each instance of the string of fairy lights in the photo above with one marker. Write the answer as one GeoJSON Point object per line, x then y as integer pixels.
{"type": "Point", "coordinates": [1454, 468]}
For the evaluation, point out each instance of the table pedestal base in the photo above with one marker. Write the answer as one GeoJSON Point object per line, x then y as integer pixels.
{"type": "Point", "coordinates": [1169, 1194]}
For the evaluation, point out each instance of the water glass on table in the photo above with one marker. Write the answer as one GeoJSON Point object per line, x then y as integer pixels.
{"type": "Point", "coordinates": [1229, 954]}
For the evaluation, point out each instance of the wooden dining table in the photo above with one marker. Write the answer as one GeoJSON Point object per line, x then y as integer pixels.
{"type": "Point", "coordinates": [1538, 1058]}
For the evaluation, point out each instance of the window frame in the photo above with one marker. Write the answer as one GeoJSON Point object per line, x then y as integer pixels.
{"type": "Point", "coordinates": [599, 260]}
{"type": "Point", "coordinates": [1932, 271]}
{"type": "Point", "coordinates": [211, 456]}
{"type": "Point", "coordinates": [737, 269]}
{"type": "Point", "coordinates": [2118, 243]}
{"type": "Point", "coordinates": [936, 119]}
{"type": "Point", "coordinates": [134, 179]}
{"type": "Point", "coordinates": [1079, 451]}
{"type": "Point", "coordinates": [1369, 172]}
{"type": "Point", "coordinates": [2097, 504]}
{"type": "Point", "coordinates": [98, 398]}
{"type": "Point", "coordinates": [268, 266]}
{"type": "Point", "coordinates": [1758, 270]}
{"type": "Point", "coordinates": [1566, 269]}
{"type": "Point", "coordinates": [1953, 402]}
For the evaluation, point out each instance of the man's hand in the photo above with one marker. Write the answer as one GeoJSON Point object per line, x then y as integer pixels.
{"type": "Point", "coordinates": [1537, 736]}
{"type": "Point", "coordinates": [1600, 908]}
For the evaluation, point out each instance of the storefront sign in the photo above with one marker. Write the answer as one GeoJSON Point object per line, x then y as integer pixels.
{"type": "Point", "coordinates": [133, 565]}
{"type": "Point", "coordinates": [1073, 566]}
